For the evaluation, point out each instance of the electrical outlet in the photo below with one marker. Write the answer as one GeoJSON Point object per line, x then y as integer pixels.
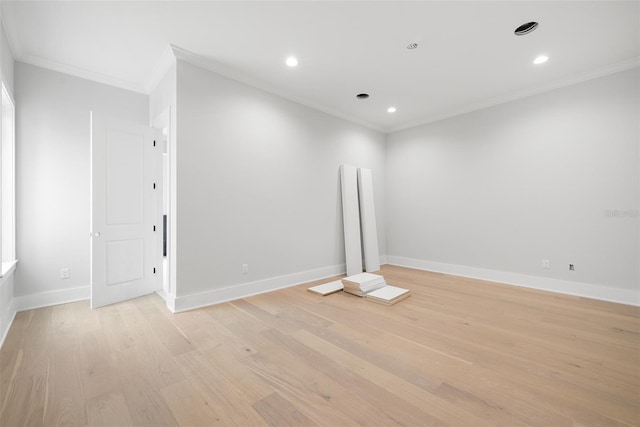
{"type": "Point", "coordinates": [545, 264]}
{"type": "Point", "coordinates": [245, 268]}
{"type": "Point", "coordinates": [64, 273]}
{"type": "Point", "coordinates": [572, 267]}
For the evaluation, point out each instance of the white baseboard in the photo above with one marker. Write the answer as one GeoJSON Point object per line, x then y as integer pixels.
{"type": "Point", "coordinates": [46, 299]}
{"type": "Point", "coordinates": [7, 301]}
{"type": "Point", "coordinates": [587, 290]}
{"type": "Point", "coordinates": [169, 299]}
{"type": "Point", "coordinates": [7, 321]}
{"type": "Point", "coordinates": [189, 302]}
{"type": "Point", "coordinates": [229, 293]}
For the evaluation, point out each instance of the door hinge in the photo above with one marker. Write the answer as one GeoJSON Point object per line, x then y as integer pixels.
{"type": "Point", "coordinates": [154, 185]}
{"type": "Point", "coordinates": [154, 228]}
{"type": "Point", "coordinates": [154, 270]}
{"type": "Point", "coordinates": [154, 142]}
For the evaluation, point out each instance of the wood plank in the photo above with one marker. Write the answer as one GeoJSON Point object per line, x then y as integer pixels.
{"type": "Point", "coordinates": [190, 405]}
{"type": "Point", "coordinates": [392, 405]}
{"type": "Point", "coordinates": [418, 396]}
{"type": "Point", "coordinates": [165, 328]}
{"type": "Point", "coordinates": [66, 402]}
{"type": "Point", "coordinates": [145, 402]}
{"type": "Point", "coordinates": [317, 396]}
{"type": "Point", "coordinates": [277, 411]}
{"type": "Point", "coordinates": [459, 351]}
{"type": "Point", "coordinates": [109, 409]}
{"type": "Point", "coordinates": [229, 395]}
{"type": "Point", "coordinates": [98, 365]}
{"type": "Point", "coordinates": [25, 402]}
{"type": "Point", "coordinates": [11, 353]}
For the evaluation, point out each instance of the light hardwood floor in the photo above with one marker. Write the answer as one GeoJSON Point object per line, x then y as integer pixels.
{"type": "Point", "coordinates": [457, 352]}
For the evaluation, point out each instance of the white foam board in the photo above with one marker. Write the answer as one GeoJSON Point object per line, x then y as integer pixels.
{"type": "Point", "coordinates": [351, 219]}
{"type": "Point", "coordinates": [364, 278]}
{"type": "Point", "coordinates": [368, 221]}
{"type": "Point", "coordinates": [388, 294]}
{"type": "Point", "coordinates": [327, 288]}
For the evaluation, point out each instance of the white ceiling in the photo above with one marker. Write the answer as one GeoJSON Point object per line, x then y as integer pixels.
{"type": "Point", "coordinates": [468, 56]}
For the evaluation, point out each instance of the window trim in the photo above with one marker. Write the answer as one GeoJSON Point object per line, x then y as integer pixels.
{"type": "Point", "coordinates": [7, 183]}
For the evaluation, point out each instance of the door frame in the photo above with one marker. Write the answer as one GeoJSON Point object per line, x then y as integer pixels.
{"type": "Point", "coordinates": [165, 120]}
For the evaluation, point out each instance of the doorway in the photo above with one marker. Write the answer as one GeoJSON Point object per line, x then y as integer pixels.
{"type": "Point", "coordinates": [125, 212]}
{"type": "Point", "coordinates": [162, 123]}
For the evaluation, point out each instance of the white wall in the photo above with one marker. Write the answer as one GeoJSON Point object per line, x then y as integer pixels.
{"type": "Point", "coordinates": [52, 115]}
{"type": "Point", "coordinates": [501, 189]}
{"type": "Point", "coordinates": [164, 94]}
{"type": "Point", "coordinates": [258, 183]}
{"type": "Point", "coordinates": [6, 60]}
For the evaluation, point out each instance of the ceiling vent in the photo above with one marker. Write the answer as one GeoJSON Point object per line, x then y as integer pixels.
{"type": "Point", "coordinates": [526, 28]}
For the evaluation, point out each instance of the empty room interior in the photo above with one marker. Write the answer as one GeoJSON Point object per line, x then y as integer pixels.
{"type": "Point", "coordinates": [326, 213]}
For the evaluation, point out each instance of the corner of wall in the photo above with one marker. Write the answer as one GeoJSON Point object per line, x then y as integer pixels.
{"type": "Point", "coordinates": [169, 299]}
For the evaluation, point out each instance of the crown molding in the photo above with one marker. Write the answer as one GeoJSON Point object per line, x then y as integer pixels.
{"type": "Point", "coordinates": [173, 53]}
{"type": "Point", "coordinates": [152, 81]}
{"type": "Point", "coordinates": [82, 73]}
{"type": "Point", "coordinates": [216, 67]}
{"type": "Point", "coordinates": [580, 78]}
{"type": "Point", "coordinates": [162, 66]}
{"type": "Point", "coordinates": [13, 42]}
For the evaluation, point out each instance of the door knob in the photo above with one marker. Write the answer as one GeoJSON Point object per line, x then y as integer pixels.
{"type": "Point", "coordinates": [96, 234]}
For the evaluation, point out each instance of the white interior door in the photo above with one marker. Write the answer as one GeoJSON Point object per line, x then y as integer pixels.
{"type": "Point", "coordinates": [125, 230]}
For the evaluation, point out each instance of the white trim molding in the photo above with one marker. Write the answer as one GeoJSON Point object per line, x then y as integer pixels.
{"type": "Point", "coordinates": [82, 73]}
{"type": "Point", "coordinates": [586, 290]}
{"type": "Point", "coordinates": [8, 268]}
{"type": "Point", "coordinates": [7, 321]}
{"type": "Point", "coordinates": [223, 70]}
{"type": "Point", "coordinates": [169, 299]}
{"type": "Point", "coordinates": [243, 290]}
{"type": "Point", "coordinates": [46, 299]}
{"type": "Point", "coordinates": [162, 66]}
{"type": "Point", "coordinates": [14, 43]}
{"type": "Point", "coordinates": [7, 305]}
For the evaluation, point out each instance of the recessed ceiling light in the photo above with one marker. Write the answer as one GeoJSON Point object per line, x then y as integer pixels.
{"type": "Point", "coordinates": [541, 59]}
{"type": "Point", "coordinates": [362, 96]}
{"type": "Point", "coordinates": [292, 62]}
{"type": "Point", "coordinates": [526, 28]}
{"type": "Point", "coordinates": [391, 110]}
